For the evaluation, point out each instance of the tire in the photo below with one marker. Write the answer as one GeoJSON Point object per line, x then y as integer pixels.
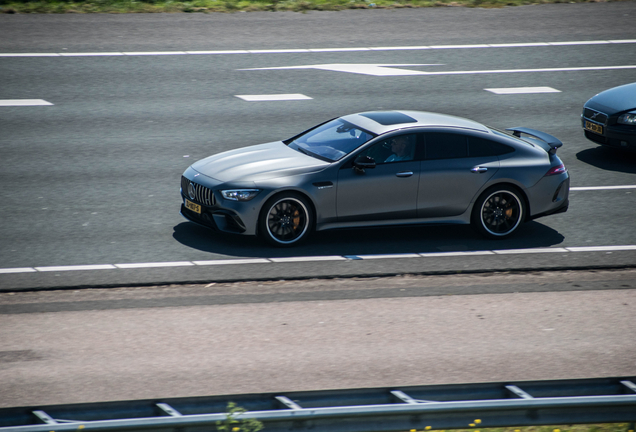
{"type": "Point", "coordinates": [499, 212]}
{"type": "Point", "coordinates": [286, 220]}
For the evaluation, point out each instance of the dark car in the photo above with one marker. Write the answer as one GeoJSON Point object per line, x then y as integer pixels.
{"type": "Point", "coordinates": [609, 118]}
{"type": "Point", "coordinates": [378, 169]}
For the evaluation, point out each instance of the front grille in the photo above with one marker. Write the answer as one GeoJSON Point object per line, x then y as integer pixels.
{"type": "Point", "coordinates": [203, 195]}
{"type": "Point", "coordinates": [595, 116]}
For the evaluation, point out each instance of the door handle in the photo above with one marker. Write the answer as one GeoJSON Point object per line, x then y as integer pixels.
{"type": "Point", "coordinates": [479, 169]}
{"type": "Point", "coordinates": [404, 174]}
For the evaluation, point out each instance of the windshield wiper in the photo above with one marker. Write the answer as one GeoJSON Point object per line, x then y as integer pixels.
{"type": "Point", "coordinates": [312, 154]}
{"type": "Point", "coordinates": [302, 150]}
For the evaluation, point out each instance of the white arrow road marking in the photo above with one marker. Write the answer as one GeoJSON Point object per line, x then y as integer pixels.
{"type": "Point", "coordinates": [390, 69]}
{"type": "Point", "coordinates": [363, 69]}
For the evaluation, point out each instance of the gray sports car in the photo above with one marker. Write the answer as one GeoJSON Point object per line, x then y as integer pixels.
{"type": "Point", "coordinates": [380, 168]}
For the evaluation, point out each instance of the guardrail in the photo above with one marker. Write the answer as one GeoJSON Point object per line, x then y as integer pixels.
{"type": "Point", "coordinates": [600, 400]}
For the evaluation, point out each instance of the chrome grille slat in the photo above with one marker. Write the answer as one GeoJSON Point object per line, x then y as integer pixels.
{"type": "Point", "coordinates": [203, 194]}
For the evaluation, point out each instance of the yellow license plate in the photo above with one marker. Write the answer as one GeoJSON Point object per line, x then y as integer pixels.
{"type": "Point", "coordinates": [593, 127]}
{"type": "Point", "coordinates": [192, 206]}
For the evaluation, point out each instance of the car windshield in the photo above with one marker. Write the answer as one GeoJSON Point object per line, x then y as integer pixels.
{"type": "Point", "coordinates": [332, 140]}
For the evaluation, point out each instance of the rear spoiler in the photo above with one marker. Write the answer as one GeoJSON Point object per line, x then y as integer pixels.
{"type": "Point", "coordinates": [552, 142]}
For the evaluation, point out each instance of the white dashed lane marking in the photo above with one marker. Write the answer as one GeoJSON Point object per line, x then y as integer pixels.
{"type": "Point", "coordinates": [522, 90]}
{"type": "Point", "coordinates": [23, 102]}
{"type": "Point", "coordinates": [273, 97]}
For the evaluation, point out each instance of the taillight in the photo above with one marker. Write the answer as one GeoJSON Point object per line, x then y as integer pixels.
{"type": "Point", "coordinates": [556, 170]}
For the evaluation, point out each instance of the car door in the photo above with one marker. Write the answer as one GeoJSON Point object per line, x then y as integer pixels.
{"type": "Point", "coordinates": [450, 175]}
{"type": "Point", "coordinates": [386, 192]}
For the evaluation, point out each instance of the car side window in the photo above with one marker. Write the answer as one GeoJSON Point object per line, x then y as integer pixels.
{"type": "Point", "coordinates": [481, 147]}
{"type": "Point", "coordinates": [398, 148]}
{"type": "Point", "coordinates": [442, 145]}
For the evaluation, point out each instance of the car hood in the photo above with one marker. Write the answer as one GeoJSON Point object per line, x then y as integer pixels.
{"type": "Point", "coordinates": [614, 100]}
{"type": "Point", "coordinates": [259, 162]}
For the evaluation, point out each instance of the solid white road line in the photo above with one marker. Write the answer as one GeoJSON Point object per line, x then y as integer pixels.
{"type": "Point", "coordinates": [383, 256]}
{"type": "Point", "coordinates": [154, 265]}
{"type": "Point", "coordinates": [18, 270]}
{"type": "Point", "coordinates": [595, 188]}
{"type": "Point", "coordinates": [601, 248]}
{"type": "Point", "coordinates": [620, 248]}
{"type": "Point", "coordinates": [23, 102]}
{"type": "Point", "coordinates": [94, 54]}
{"type": "Point", "coordinates": [308, 259]}
{"type": "Point", "coordinates": [234, 261]}
{"type": "Point", "coordinates": [322, 50]}
{"type": "Point", "coordinates": [154, 53]}
{"type": "Point", "coordinates": [504, 71]}
{"type": "Point", "coordinates": [453, 254]}
{"type": "Point", "coordinates": [529, 251]}
{"type": "Point", "coordinates": [75, 268]}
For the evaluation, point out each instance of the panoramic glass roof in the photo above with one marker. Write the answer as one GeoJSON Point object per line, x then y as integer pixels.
{"type": "Point", "coordinates": [388, 118]}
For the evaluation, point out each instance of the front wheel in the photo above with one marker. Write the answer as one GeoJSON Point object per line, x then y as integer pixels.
{"type": "Point", "coordinates": [285, 220]}
{"type": "Point", "coordinates": [499, 212]}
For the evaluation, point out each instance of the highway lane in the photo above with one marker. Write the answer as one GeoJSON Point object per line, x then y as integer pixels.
{"type": "Point", "coordinates": [157, 342]}
{"type": "Point", "coordinates": [94, 178]}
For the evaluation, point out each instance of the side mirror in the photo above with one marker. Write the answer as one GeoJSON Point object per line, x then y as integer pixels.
{"type": "Point", "coordinates": [363, 162]}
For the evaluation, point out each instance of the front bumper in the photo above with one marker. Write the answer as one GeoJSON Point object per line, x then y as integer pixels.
{"type": "Point", "coordinates": [217, 213]}
{"type": "Point", "coordinates": [617, 136]}
{"type": "Point", "coordinates": [217, 219]}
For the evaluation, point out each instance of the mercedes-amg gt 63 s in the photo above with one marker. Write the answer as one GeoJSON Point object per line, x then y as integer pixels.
{"type": "Point", "coordinates": [380, 168]}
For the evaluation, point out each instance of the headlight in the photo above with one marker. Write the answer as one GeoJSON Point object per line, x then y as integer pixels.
{"type": "Point", "coordinates": [240, 194]}
{"type": "Point", "coordinates": [628, 119]}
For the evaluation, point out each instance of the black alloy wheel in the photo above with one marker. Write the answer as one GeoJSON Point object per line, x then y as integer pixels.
{"type": "Point", "coordinates": [499, 212]}
{"type": "Point", "coordinates": [286, 220]}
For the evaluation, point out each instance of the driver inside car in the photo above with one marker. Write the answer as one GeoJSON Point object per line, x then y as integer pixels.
{"type": "Point", "coordinates": [402, 148]}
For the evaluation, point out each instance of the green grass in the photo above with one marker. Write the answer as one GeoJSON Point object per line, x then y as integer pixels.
{"type": "Point", "coordinates": [208, 6]}
{"type": "Point", "coordinates": [606, 427]}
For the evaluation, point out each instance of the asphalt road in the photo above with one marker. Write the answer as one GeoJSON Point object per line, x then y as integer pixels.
{"type": "Point", "coordinates": [93, 179]}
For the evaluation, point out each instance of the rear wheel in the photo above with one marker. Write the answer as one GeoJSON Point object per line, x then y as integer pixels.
{"type": "Point", "coordinates": [499, 212]}
{"type": "Point", "coordinates": [286, 220]}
